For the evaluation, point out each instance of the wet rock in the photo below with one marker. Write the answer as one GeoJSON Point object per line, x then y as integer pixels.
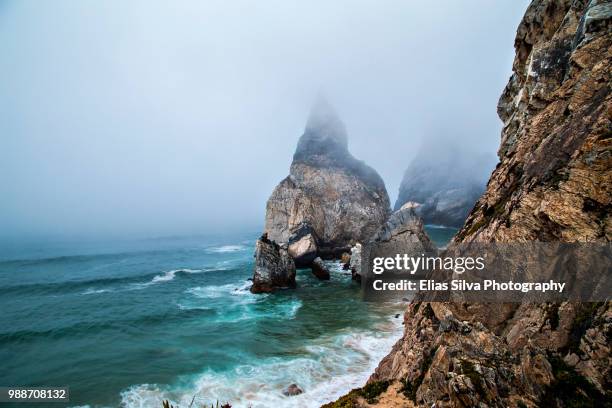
{"type": "Point", "coordinates": [355, 263]}
{"type": "Point", "coordinates": [274, 268]}
{"type": "Point", "coordinates": [319, 269]}
{"type": "Point", "coordinates": [292, 390]}
{"type": "Point", "coordinates": [345, 260]}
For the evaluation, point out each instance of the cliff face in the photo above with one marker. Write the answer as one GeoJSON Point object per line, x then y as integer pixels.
{"type": "Point", "coordinates": [553, 181]}
{"type": "Point", "coordinates": [444, 184]}
{"type": "Point", "coordinates": [552, 184]}
{"type": "Point", "coordinates": [330, 200]}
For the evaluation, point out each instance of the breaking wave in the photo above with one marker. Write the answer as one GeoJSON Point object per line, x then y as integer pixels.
{"type": "Point", "coordinates": [326, 370]}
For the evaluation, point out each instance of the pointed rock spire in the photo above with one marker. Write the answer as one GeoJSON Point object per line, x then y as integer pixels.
{"type": "Point", "coordinates": [324, 135]}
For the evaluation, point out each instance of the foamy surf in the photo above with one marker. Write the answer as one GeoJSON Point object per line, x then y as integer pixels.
{"type": "Point", "coordinates": [218, 291]}
{"type": "Point", "coordinates": [226, 248]}
{"type": "Point", "coordinates": [92, 291]}
{"type": "Point", "coordinates": [330, 367]}
{"type": "Point", "coordinates": [242, 308]}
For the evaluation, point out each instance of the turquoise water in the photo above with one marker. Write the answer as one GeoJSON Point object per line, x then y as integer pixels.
{"type": "Point", "coordinates": [440, 235]}
{"type": "Point", "coordinates": [130, 323]}
{"type": "Point", "coordinates": [127, 324]}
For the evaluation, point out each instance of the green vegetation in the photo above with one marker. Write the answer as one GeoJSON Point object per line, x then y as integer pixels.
{"type": "Point", "coordinates": [369, 392]}
{"type": "Point", "coordinates": [552, 314]}
{"type": "Point", "coordinates": [166, 404]}
{"type": "Point", "coordinates": [584, 319]}
{"type": "Point", "coordinates": [572, 389]}
{"type": "Point", "coordinates": [467, 368]}
{"type": "Point", "coordinates": [409, 389]}
{"type": "Point", "coordinates": [429, 313]}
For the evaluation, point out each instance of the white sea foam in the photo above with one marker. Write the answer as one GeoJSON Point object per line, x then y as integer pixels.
{"type": "Point", "coordinates": [330, 367]}
{"type": "Point", "coordinates": [92, 291]}
{"type": "Point", "coordinates": [170, 275]}
{"type": "Point", "coordinates": [226, 248]}
{"type": "Point", "coordinates": [219, 291]}
{"type": "Point", "coordinates": [242, 306]}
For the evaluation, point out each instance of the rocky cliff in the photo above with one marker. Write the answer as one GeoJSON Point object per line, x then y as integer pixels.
{"type": "Point", "coordinates": [552, 184]}
{"type": "Point", "coordinates": [330, 200]}
{"type": "Point", "coordinates": [444, 182]}
{"type": "Point", "coordinates": [553, 181]}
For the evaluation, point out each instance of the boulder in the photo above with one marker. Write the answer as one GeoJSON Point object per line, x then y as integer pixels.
{"type": "Point", "coordinates": [292, 390]}
{"type": "Point", "coordinates": [303, 246]}
{"type": "Point", "coordinates": [345, 260]}
{"type": "Point", "coordinates": [319, 269]}
{"type": "Point", "coordinates": [355, 262]}
{"type": "Point", "coordinates": [274, 267]}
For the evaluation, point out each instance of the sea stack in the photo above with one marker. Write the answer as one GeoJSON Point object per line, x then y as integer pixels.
{"type": "Point", "coordinates": [443, 182]}
{"type": "Point", "coordinates": [274, 268]}
{"type": "Point", "coordinates": [330, 200]}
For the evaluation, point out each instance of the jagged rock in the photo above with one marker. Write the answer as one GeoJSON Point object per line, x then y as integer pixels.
{"type": "Point", "coordinates": [292, 390]}
{"type": "Point", "coordinates": [355, 263]}
{"type": "Point", "coordinates": [553, 183]}
{"type": "Point", "coordinates": [345, 260]}
{"type": "Point", "coordinates": [444, 362]}
{"type": "Point", "coordinates": [330, 200]}
{"type": "Point", "coordinates": [319, 269]}
{"type": "Point", "coordinates": [402, 234]}
{"type": "Point", "coordinates": [274, 267]}
{"type": "Point", "coordinates": [442, 184]}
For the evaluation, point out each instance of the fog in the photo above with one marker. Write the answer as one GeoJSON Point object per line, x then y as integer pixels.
{"type": "Point", "coordinates": [152, 118]}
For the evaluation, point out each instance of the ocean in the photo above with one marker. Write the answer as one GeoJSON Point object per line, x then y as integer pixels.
{"type": "Point", "coordinates": [130, 323]}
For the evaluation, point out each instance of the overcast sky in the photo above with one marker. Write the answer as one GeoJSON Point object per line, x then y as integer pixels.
{"type": "Point", "coordinates": [152, 118]}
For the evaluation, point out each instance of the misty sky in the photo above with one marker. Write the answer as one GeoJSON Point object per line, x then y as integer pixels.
{"type": "Point", "coordinates": [152, 118]}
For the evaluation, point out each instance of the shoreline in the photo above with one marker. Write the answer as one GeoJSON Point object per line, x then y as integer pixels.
{"type": "Point", "coordinates": [335, 364]}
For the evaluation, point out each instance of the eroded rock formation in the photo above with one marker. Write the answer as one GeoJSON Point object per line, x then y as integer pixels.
{"type": "Point", "coordinates": [274, 267]}
{"type": "Point", "coordinates": [403, 233]}
{"type": "Point", "coordinates": [330, 200]}
{"type": "Point", "coordinates": [443, 182]}
{"type": "Point", "coordinates": [319, 269]}
{"type": "Point", "coordinates": [553, 183]}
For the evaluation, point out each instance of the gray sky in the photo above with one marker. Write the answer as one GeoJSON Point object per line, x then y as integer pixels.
{"type": "Point", "coordinates": [152, 118]}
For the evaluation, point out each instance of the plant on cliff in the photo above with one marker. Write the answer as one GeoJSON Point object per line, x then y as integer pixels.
{"type": "Point", "coordinates": [166, 404]}
{"type": "Point", "coordinates": [369, 392]}
{"type": "Point", "coordinates": [584, 319]}
{"type": "Point", "coordinates": [572, 389]}
{"type": "Point", "coordinates": [409, 388]}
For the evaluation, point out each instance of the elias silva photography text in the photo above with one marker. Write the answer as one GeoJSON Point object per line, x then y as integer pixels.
{"type": "Point", "coordinates": [403, 263]}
